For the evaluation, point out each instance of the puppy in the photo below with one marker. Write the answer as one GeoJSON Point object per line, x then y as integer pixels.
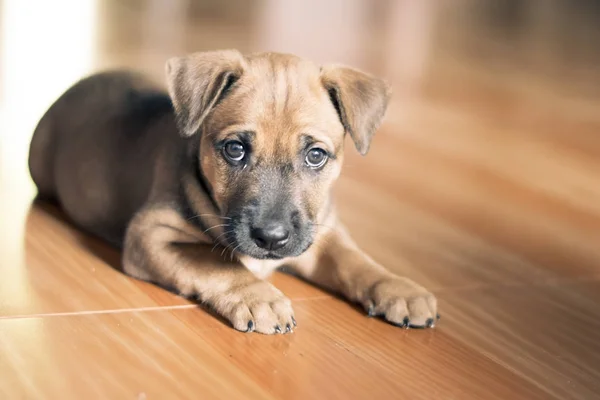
{"type": "Point", "coordinates": [212, 184]}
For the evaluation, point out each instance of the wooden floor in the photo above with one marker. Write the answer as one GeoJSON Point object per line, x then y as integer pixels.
{"type": "Point", "coordinates": [483, 185]}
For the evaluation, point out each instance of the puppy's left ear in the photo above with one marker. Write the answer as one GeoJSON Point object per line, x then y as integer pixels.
{"type": "Point", "coordinates": [197, 81]}
{"type": "Point", "coordinates": [360, 99]}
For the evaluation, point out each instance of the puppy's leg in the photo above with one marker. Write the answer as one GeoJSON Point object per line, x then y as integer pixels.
{"type": "Point", "coordinates": [162, 247]}
{"type": "Point", "coordinates": [337, 264]}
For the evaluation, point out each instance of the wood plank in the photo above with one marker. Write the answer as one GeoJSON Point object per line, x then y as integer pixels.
{"type": "Point", "coordinates": [546, 334]}
{"type": "Point", "coordinates": [483, 185]}
{"type": "Point", "coordinates": [181, 354]}
{"type": "Point", "coordinates": [122, 355]}
{"type": "Point", "coordinates": [432, 364]}
{"type": "Point", "coordinates": [59, 269]}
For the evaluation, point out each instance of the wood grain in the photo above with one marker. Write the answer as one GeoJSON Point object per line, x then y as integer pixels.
{"type": "Point", "coordinates": [483, 185]}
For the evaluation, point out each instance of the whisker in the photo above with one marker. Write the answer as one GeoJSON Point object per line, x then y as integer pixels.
{"type": "Point", "coordinates": [233, 251]}
{"type": "Point", "coordinates": [225, 249]}
{"type": "Point", "coordinates": [212, 215]}
{"type": "Point", "coordinates": [207, 215]}
{"type": "Point", "coordinates": [215, 246]}
{"type": "Point", "coordinates": [218, 237]}
{"type": "Point", "coordinates": [213, 227]}
{"type": "Point", "coordinates": [216, 240]}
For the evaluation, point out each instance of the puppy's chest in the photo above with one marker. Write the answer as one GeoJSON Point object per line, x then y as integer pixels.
{"type": "Point", "coordinates": [261, 268]}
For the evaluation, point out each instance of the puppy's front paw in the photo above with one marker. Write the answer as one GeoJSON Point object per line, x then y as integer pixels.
{"type": "Point", "coordinates": [401, 302]}
{"type": "Point", "coordinates": [258, 307]}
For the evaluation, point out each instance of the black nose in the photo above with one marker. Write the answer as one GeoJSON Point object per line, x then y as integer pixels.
{"type": "Point", "coordinates": [270, 237]}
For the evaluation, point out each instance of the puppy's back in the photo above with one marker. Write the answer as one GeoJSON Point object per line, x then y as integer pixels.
{"type": "Point", "coordinates": [93, 144]}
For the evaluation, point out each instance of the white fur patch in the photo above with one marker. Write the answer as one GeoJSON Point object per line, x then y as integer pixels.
{"type": "Point", "coordinates": [261, 268]}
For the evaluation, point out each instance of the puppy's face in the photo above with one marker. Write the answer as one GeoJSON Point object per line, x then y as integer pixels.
{"type": "Point", "coordinates": [270, 151]}
{"type": "Point", "coordinates": [271, 146]}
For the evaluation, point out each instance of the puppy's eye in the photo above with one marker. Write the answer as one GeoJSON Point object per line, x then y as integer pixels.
{"type": "Point", "coordinates": [234, 151]}
{"type": "Point", "coordinates": [316, 158]}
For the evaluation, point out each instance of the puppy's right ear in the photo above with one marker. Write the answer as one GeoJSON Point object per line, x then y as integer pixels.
{"type": "Point", "coordinates": [197, 81]}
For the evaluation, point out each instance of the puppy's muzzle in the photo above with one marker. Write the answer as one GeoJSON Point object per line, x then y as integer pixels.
{"type": "Point", "coordinates": [270, 232]}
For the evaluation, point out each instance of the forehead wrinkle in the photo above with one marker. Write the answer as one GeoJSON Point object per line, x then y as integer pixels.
{"type": "Point", "coordinates": [276, 148]}
{"type": "Point", "coordinates": [281, 87]}
{"type": "Point", "coordinates": [283, 98]}
{"type": "Point", "coordinates": [286, 148]}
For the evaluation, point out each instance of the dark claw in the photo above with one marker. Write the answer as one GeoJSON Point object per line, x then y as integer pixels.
{"type": "Point", "coordinates": [437, 316]}
{"type": "Point", "coordinates": [250, 326]}
{"type": "Point", "coordinates": [288, 328]}
{"type": "Point", "coordinates": [371, 311]}
{"type": "Point", "coordinates": [428, 324]}
{"type": "Point", "coordinates": [402, 324]}
{"type": "Point", "coordinates": [405, 322]}
{"type": "Point", "coordinates": [278, 329]}
{"type": "Point", "coordinates": [294, 322]}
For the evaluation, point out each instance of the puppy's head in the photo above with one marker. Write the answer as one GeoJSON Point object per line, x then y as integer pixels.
{"type": "Point", "coordinates": [271, 130]}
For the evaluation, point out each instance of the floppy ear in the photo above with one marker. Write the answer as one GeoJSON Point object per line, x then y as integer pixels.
{"type": "Point", "coordinates": [360, 100]}
{"type": "Point", "coordinates": [197, 81]}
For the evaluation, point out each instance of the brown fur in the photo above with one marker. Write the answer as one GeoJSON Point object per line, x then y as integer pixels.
{"type": "Point", "coordinates": [145, 171]}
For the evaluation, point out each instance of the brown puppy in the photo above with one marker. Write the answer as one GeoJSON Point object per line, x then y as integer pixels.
{"type": "Point", "coordinates": [211, 187]}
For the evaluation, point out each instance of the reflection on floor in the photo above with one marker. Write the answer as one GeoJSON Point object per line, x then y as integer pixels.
{"type": "Point", "coordinates": [484, 185]}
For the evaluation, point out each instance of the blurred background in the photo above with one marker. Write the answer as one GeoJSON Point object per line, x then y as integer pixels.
{"type": "Point", "coordinates": [495, 107]}
{"type": "Point", "coordinates": [483, 185]}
